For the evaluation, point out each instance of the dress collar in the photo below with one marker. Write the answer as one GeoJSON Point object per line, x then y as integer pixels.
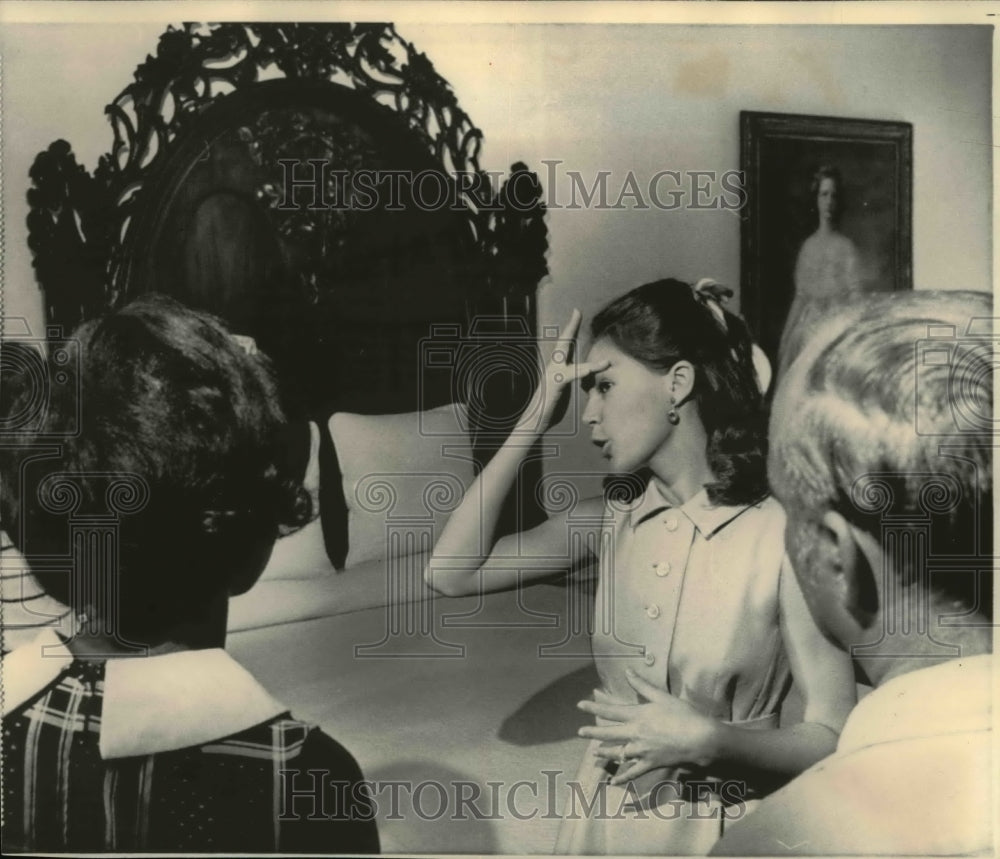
{"type": "Point", "coordinates": [953, 697]}
{"type": "Point", "coordinates": [153, 703]}
{"type": "Point", "coordinates": [705, 516]}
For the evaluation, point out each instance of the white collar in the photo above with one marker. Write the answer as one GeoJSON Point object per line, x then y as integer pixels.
{"type": "Point", "coordinates": [704, 515]}
{"type": "Point", "coordinates": [153, 703]}
{"type": "Point", "coordinates": [950, 698]}
{"type": "Point", "coordinates": [31, 667]}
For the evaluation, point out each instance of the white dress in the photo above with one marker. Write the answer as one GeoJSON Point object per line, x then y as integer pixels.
{"type": "Point", "coordinates": [827, 273]}
{"type": "Point", "coordinates": [688, 598]}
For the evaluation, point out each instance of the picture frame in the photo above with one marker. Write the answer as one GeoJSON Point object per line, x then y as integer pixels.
{"type": "Point", "coordinates": [865, 245]}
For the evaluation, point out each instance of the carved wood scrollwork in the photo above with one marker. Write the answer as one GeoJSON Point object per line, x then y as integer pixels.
{"type": "Point", "coordinates": [85, 230]}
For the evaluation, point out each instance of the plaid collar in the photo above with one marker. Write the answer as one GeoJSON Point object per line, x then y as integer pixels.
{"type": "Point", "coordinates": [705, 516]}
{"type": "Point", "coordinates": [151, 704]}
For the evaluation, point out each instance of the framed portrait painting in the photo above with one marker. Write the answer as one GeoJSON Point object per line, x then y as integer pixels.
{"type": "Point", "coordinates": [828, 217]}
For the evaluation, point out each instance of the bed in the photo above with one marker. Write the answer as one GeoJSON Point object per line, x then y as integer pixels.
{"type": "Point", "coordinates": [406, 335]}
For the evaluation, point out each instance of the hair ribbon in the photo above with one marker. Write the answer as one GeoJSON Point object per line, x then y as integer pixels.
{"type": "Point", "coordinates": [713, 295]}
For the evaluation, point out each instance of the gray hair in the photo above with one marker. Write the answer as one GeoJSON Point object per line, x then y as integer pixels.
{"type": "Point", "coordinates": [889, 411]}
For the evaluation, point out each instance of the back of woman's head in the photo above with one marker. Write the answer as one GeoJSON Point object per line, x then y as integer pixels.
{"type": "Point", "coordinates": [176, 439]}
{"type": "Point", "coordinates": [661, 323]}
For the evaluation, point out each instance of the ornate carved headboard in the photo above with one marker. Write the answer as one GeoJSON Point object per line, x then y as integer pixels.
{"type": "Point", "coordinates": [317, 186]}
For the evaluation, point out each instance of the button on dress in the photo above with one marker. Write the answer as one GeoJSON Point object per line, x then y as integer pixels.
{"type": "Point", "coordinates": [688, 599]}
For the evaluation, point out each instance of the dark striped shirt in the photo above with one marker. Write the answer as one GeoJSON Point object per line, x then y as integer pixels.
{"type": "Point", "coordinates": [277, 786]}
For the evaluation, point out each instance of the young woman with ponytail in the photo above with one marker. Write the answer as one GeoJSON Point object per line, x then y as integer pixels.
{"type": "Point", "coordinates": [700, 626]}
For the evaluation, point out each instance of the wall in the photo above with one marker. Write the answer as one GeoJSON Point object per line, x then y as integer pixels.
{"type": "Point", "coordinates": [647, 98]}
{"type": "Point", "coordinates": [616, 98]}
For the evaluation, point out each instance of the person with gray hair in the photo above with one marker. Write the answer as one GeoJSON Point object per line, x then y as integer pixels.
{"type": "Point", "coordinates": [881, 454]}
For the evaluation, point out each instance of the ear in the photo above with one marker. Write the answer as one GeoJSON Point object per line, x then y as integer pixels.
{"type": "Point", "coordinates": [852, 566]}
{"type": "Point", "coordinates": [680, 381]}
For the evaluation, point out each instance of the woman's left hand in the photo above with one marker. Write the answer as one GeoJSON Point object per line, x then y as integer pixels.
{"type": "Point", "coordinates": [665, 731]}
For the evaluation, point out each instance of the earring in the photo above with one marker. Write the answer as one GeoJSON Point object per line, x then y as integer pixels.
{"type": "Point", "coordinates": [672, 415]}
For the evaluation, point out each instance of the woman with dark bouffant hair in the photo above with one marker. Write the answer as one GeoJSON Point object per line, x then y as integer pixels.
{"type": "Point", "coordinates": [148, 494]}
{"type": "Point", "coordinates": [700, 626]}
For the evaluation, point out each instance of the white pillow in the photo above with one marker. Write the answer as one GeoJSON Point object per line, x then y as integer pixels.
{"type": "Point", "coordinates": [402, 475]}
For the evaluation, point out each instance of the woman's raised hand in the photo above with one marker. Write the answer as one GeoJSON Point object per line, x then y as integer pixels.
{"type": "Point", "coordinates": [548, 404]}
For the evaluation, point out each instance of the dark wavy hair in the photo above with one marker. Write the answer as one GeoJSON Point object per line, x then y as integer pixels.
{"type": "Point", "coordinates": [661, 323]}
{"type": "Point", "coordinates": [172, 414]}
